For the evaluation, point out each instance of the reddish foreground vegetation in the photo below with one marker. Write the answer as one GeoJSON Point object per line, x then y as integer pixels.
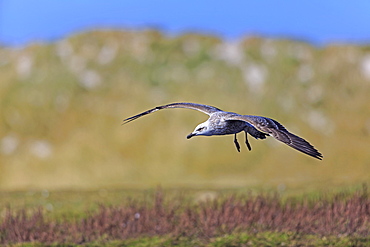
{"type": "Point", "coordinates": [342, 215]}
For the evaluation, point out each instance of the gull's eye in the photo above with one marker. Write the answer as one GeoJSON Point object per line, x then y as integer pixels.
{"type": "Point", "coordinates": [201, 129]}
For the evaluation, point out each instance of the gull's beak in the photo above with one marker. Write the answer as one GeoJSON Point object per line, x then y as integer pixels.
{"type": "Point", "coordinates": [190, 135]}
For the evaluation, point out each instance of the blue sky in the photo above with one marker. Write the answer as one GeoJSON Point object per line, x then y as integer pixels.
{"type": "Point", "coordinates": [316, 21]}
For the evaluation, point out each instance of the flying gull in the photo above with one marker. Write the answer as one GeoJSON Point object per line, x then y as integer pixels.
{"type": "Point", "coordinates": [227, 123]}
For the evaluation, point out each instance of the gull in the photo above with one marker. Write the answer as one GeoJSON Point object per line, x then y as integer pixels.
{"type": "Point", "coordinates": [230, 123]}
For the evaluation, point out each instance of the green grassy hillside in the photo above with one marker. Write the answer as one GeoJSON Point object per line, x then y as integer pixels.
{"type": "Point", "coordinates": [61, 107]}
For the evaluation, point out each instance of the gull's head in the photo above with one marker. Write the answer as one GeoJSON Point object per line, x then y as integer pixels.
{"type": "Point", "coordinates": [201, 130]}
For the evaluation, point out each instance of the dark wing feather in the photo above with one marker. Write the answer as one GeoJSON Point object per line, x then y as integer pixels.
{"type": "Point", "coordinates": [199, 107]}
{"type": "Point", "coordinates": [280, 133]}
{"type": "Point", "coordinates": [296, 142]}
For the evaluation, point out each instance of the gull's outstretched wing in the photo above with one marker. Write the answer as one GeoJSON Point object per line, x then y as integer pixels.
{"type": "Point", "coordinates": [199, 107]}
{"type": "Point", "coordinates": [279, 132]}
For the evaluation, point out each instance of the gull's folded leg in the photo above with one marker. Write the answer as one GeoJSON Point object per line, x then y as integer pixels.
{"type": "Point", "coordinates": [247, 142]}
{"type": "Point", "coordinates": [236, 143]}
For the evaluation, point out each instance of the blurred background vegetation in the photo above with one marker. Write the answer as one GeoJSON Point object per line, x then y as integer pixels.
{"type": "Point", "coordinates": [62, 104]}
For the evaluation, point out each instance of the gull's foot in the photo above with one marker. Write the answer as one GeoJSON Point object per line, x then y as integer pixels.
{"type": "Point", "coordinates": [236, 143]}
{"type": "Point", "coordinates": [247, 142]}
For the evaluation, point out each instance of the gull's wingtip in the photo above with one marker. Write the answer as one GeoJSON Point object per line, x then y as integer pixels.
{"type": "Point", "coordinates": [127, 120]}
{"type": "Point", "coordinates": [319, 156]}
{"type": "Point", "coordinates": [124, 121]}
